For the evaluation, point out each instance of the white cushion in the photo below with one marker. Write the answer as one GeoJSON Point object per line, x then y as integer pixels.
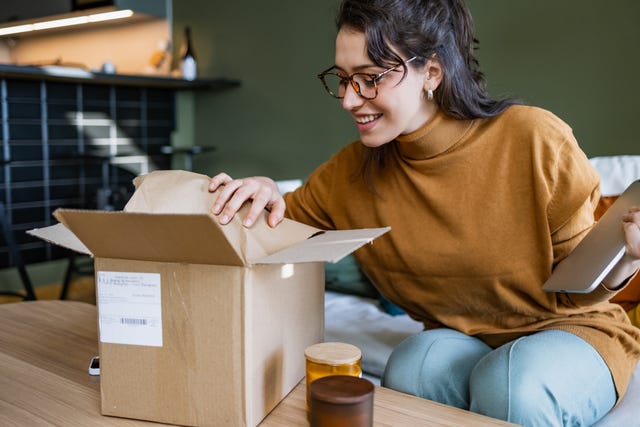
{"type": "Point", "coordinates": [288, 185]}
{"type": "Point", "coordinates": [627, 412]}
{"type": "Point", "coordinates": [362, 322]}
{"type": "Point", "coordinates": [616, 173]}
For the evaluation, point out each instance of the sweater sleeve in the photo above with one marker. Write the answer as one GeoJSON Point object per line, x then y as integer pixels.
{"type": "Point", "coordinates": [309, 203]}
{"type": "Point", "coordinates": [321, 200]}
{"type": "Point", "coordinates": [575, 179]}
{"type": "Point", "coordinates": [565, 239]}
{"type": "Point", "coordinates": [574, 187]}
{"type": "Point", "coordinates": [568, 235]}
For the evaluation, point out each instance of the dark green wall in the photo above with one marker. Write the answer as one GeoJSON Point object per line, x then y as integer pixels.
{"type": "Point", "coordinates": [577, 58]}
{"type": "Point", "coordinates": [280, 122]}
{"type": "Point", "coordinates": [574, 57]}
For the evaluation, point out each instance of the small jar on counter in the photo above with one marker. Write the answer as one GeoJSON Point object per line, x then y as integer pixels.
{"type": "Point", "coordinates": [341, 401]}
{"type": "Point", "coordinates": [331, 358]}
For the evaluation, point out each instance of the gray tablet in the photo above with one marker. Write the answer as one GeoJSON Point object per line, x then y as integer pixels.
{"type": "Point", "coordinates": [594, 257]}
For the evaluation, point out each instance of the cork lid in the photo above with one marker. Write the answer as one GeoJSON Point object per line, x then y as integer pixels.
{"type": "Point", "coordinates": [333, 353]}
{"type": "Point", "coordinates": [341, 390]}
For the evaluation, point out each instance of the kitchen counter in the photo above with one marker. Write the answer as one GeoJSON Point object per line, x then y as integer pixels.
{"type": "Point", "coordinates": [72, 74]}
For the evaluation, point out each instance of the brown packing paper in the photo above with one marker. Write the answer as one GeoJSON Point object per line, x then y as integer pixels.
{"type": "Point", "coordinates": [187, 192]}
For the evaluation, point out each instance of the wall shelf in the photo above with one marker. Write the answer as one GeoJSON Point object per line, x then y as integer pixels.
{"type": "Point", "coordinates": [56, 73]}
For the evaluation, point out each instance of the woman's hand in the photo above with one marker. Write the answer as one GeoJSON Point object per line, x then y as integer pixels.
{"type": "Point", "coordinates": [630, 262]}
{"type": "Point", "coordinates": [631, 224]}
{"type": "Point", "coordinates": [261, 190]}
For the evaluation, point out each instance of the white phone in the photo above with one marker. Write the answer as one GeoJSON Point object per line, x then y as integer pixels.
{"type": "Point", "coordinates": [94, 366]}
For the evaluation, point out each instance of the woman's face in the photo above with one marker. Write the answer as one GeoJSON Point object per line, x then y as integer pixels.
{"type": "Point", "coordinates": [401, 106]}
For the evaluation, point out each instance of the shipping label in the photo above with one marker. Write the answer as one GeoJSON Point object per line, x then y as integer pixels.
{"type": "Point", "coordinates": [129, 307]}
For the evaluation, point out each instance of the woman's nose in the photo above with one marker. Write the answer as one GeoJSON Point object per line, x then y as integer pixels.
{"type": "Point", "coordinates": [351, 98]}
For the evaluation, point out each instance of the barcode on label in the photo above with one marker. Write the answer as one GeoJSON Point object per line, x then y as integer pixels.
{"type": "Point", "coordinates": [130, 321]}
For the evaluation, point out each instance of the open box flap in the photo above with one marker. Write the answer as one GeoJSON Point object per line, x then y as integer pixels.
{"type": "Point", "coordinates": [182, 192]}
{"type": "Point", "coordinates": [168, 219]}
{"type": "Point", "coordinates": [151, 237]}
{"type": "Point", "coordinates": [60, 235]}
{"type": "Point", "coordinates": [328, 246]}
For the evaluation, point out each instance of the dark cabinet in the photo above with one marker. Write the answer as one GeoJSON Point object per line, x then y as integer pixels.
{"type": "Point", "coordinates": [18, 10]}
{"type": "Point", "coordinates": [78, 143]}
{"type": "Point", "coordinates": [75, 145]}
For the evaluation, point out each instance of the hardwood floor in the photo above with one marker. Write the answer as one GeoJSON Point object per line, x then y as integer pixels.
{"type": "Point", "coordinates": [81, 289]}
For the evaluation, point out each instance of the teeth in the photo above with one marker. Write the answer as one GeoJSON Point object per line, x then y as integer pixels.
{"type": "Point", "coordinates": [366, 119]}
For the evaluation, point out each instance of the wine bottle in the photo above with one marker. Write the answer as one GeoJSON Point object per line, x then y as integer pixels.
{"type": "Point", "coordinates": [188, 64]}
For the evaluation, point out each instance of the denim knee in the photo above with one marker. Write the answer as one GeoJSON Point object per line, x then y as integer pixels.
{"type": "Point", "coordinates": [496, 392]}
{"type": "Point", "coordinates": [552, 378]}
{"type": "Point", "coordinates": [435, 365]}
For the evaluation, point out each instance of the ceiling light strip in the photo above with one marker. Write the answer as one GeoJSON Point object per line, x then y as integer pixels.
{"type": "Point", "coordinates": [65, 22]}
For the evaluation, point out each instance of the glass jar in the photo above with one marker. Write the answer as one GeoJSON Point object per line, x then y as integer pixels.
{"type": "Point", "coordinates": [331, 358]}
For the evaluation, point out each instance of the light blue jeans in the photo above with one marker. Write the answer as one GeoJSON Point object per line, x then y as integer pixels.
{"type": "Point", "coordinates": [551, 378]}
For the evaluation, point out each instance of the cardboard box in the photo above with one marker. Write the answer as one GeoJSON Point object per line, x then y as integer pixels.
{"type": "Point", "coordinates": [201, 324]}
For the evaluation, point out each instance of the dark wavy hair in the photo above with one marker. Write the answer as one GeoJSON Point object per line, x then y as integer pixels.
{"type": "Point", "coordinates": [405, 28]}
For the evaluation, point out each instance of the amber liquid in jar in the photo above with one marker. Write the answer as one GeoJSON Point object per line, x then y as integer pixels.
{"type": "Point", "coordinates": [331, 358]}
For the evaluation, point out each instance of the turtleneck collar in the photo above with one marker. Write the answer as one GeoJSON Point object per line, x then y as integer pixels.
{"type": "Point", "coordinates": [435, 137]}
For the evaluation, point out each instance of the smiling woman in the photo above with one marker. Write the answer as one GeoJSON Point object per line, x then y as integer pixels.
{"type": "Point", "coordinates": [484, 197]}
{"type": "Point", "coordinates": [394, 105]}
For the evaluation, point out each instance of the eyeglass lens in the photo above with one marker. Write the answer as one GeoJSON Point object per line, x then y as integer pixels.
{"type": "Point", "coordinates": [361, 83]}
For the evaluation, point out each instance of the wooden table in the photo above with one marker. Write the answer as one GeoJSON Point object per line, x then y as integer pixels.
{"type": "Point", "coordinates": [45, 348]}
{"type": "Point", "coordinates": [391, 409]}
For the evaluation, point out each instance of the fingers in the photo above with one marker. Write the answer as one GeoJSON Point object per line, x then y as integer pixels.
{"type": "Point", "coordinates": [263, 197]}
{"type": "Point", "coordinates": [632, 216]}
{"type": "Point", "coordinates": [631, 224]}
{"type": "Point", "coordinates": [233, 193]}
{"type": "Point", "coordinates": [277, 213]}
{"type": "Point", "coordinates": [218, 180]}
{"type": "Point", "coordinates": [228, 187]}
{"type": "Point", "coordinates": [230, 200]}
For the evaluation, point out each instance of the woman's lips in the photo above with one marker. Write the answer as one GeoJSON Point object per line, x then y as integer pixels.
{"type": "Point", "coordinates": [367, 122]}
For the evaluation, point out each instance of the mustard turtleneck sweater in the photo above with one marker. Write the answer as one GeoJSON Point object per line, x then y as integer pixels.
{"type": "Point", "coordinates": [480, 212]}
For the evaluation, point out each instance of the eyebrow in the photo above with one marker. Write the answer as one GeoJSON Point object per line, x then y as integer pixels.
{"type": "Point", "coordinates": [359, 68]}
